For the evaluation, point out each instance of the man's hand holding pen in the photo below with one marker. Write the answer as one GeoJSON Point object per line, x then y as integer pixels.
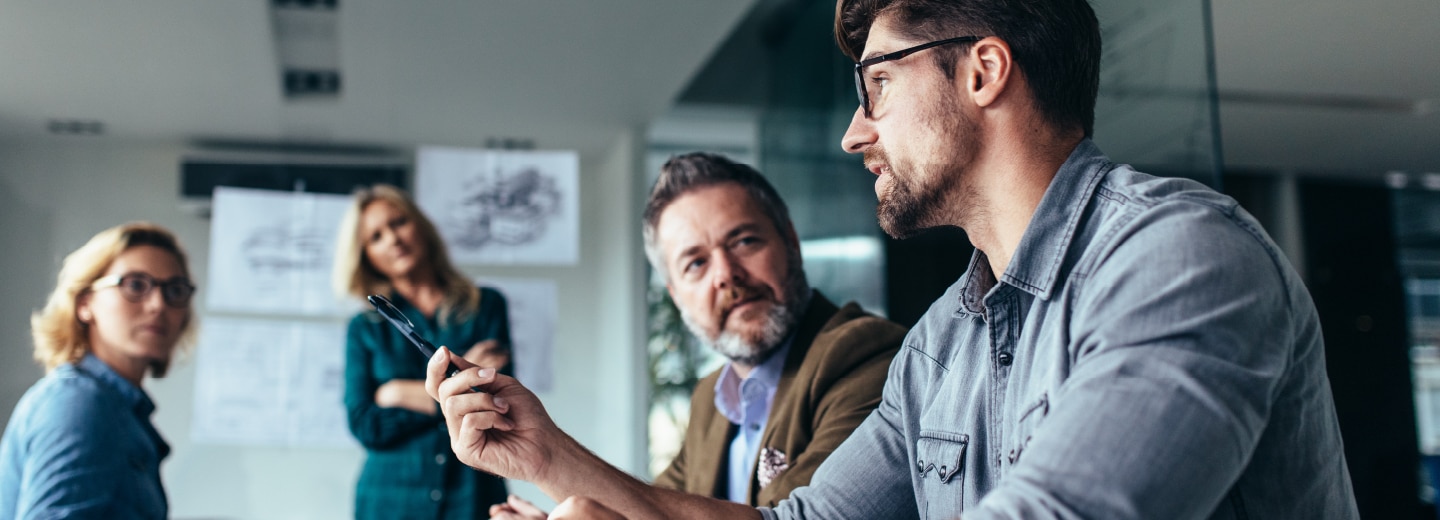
{"type": "Point", "coordinates": [495, 424]}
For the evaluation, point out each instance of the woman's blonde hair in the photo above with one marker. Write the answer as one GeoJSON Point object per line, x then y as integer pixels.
{"type": "Point", "coordinates": [60, 336]}
{"type": "Point", "coordinates": [355, 276]}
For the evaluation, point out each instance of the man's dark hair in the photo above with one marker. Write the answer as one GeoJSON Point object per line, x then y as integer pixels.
{"type": "Point", "coordinates": [689, 172]}
{"type": "Point", "coordinates": [1056, 43]}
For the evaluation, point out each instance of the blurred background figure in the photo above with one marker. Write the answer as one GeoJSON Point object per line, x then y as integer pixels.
{"type": "Point", "coordinates": [388, 247]}
{"type": "Point", "coordinates": [81, 443]}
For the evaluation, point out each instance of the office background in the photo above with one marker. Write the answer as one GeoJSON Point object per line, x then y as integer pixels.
{"type": "Point", "coordinates": [1319, 116]}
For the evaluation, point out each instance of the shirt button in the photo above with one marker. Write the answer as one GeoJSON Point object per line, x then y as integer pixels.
{"type": "Point", "coordinates": [440, 459]}
{"type": "Point", "coordinates": [435, 495]}
{"type": "Point", "coordinates": [1005, 359]}
{"type": "Point", "coordinates": [754, 427]}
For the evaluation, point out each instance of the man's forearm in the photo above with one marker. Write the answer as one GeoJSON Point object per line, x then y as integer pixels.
{"type": "Point", "coordinates": [575, 471]}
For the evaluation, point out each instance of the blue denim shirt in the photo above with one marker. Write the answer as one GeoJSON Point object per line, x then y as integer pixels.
{"type": "Point", "coordinates": [1148, 353]}
{"type": "Point", "coordinates": [80, 445]}
{"type": "Point", "coordinates": [746, 403]}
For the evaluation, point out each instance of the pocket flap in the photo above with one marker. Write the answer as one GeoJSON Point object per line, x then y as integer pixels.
{"type": "Point", "coordinates": [941, 452]}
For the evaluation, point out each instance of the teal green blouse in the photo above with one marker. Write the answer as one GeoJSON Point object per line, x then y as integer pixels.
{"type": "Point", "coordinates": [411, 471]}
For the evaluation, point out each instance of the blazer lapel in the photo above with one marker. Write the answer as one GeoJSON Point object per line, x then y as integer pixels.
{"type": "Point", "coordinates": [817, 315]}
{"type": "Point", "coordinates": [711, 471]}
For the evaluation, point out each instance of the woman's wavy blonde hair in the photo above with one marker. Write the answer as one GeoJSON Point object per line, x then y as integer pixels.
{"type": "Point", "coordinates": [60, 336]}
{"type": "Point", "coordinates": [356, 277]}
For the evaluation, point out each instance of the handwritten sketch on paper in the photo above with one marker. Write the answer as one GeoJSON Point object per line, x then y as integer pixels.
{"type": "Point", "coordinates": [270, 382]}
{"type": "Point", "coordinates": [271, 252]}
{"type": "Point", "coordinates": [502, 207]}
{"type": "Point", "coordinates": [533, 310]}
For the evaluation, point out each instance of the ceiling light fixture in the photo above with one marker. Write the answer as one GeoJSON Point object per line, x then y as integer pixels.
{"type": "Point", "coordinates": [307, 47]}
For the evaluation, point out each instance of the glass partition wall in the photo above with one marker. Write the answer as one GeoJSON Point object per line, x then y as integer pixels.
{"type": "Point", "coordinates": [779, 95]}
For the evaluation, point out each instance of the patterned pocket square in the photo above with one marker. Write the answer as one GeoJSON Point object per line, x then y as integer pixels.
{"type": "Point", "coordinates": [772, 463]}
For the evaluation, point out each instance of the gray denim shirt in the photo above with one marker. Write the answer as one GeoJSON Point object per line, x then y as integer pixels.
{"type": "Point", "coordinates": [1148, 353]}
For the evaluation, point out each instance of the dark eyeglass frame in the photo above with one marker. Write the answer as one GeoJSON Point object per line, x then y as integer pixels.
{"type": "Point", "coordinates": [176, 292]}
{"type": "Point", "coordinates": [893, 56]}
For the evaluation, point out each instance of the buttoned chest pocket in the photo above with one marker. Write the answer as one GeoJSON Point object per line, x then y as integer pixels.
{"type": "Point", "coordinates": [940, 461]}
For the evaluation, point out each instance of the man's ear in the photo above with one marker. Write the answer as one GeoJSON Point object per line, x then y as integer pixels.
{"type": "Point", "coordinates": [988, 71]}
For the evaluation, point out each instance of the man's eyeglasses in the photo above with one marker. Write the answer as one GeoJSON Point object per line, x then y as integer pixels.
{"type": "Point", "coordinates": [860, 66]}
{"type": "Point", "coordinates": [135, 286]}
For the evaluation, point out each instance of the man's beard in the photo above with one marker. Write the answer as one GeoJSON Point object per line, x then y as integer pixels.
{"type": "Point", "coordinates": [777, 323]}
{"type": "Point", "coordinates": [920, 197]}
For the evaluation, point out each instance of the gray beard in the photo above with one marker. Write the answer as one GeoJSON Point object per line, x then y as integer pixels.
{"type": "Point", "coordinates": [779, 321]}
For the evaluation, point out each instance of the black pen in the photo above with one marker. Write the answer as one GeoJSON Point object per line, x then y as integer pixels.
{"type": "Point", "coordinates": [403, 324]}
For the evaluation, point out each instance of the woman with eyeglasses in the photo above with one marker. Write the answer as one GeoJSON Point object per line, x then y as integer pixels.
{"type": "Point", "coordinates": [80, 443]}
{"type": "Point", "coordinates": [387, 247]}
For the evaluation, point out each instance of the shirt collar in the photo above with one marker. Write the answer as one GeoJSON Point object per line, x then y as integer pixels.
{"type": "Point", "coordinates": [1035, 266]}
{"type": "Point", "coordinates": [727, 388]}
{"type": "Point", "coordinates": [133, 395]}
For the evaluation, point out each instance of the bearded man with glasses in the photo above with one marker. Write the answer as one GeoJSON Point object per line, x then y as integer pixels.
{"type": "Point", "coordinates": [1122, 346]}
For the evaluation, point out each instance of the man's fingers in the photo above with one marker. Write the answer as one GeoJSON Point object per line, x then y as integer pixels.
{"type": "Point", "coordinates": [459, 361]}
{"type": "Point", "coordinates": [503, 512]}
{"type": "Point", "coordinates": [483, 422]}
{"type": "Point", "coordinates": [472, 402]}
{"type": "Point", "coordinates": [435, 372]}
{"type": "Point", "coordinates": [436, 368]}
{"type": "Point", "coordinates": [462, 382]}
{"type": "Point", "coordinates": [583, 507]}
{"type": "Point", "coordinates": [524, 507]}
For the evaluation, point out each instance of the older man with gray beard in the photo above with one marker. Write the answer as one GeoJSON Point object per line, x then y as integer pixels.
{"type": "Point", "coordinates": [802, 373]}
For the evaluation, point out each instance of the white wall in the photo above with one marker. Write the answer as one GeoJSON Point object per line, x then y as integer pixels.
{"type": "Point", "coordinates": [57, 192]}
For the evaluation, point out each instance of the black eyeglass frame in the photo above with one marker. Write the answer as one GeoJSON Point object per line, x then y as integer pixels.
{"type": "Point", "coordinates": [860, 65]}
{"type": "Point", "coordinates": [171, 299]}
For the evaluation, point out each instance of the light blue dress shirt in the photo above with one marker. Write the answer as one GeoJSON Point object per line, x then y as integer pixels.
{"type": "Point", "coordinates": [1147, 353]}
{"type": "Point", "coordinates": [746, 403]}
{"type": "Point", "coordinates": [80, 445]}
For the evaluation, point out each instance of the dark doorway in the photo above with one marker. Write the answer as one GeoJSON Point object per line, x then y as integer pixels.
{"type": "Point", "coordinates": [1354, 277]}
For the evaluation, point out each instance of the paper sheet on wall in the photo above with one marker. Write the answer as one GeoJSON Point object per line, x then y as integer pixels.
{"type": "Point", "coordinates": [268, 382]}
{"type": "Point", "coordinates": [502, 207]}
{"type": "Point", "coordinates": [533, 315]}
{"type": "Point", "coordinates": [272, 251]}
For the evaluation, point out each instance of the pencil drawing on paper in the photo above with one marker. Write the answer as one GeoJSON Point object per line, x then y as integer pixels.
{"type": "Point", "coordinates": [279, 249]}
{"type": "Point", "coordinates": [271, 252]}
{"type": "Point", "coordinates": [504, 208]}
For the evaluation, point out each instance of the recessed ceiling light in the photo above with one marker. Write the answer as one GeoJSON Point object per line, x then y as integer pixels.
{"type": "Point", "coordinates": [75, 126]}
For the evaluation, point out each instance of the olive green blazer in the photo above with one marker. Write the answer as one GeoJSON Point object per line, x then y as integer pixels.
{"type": "Point", "coordinates": [832, 379]}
